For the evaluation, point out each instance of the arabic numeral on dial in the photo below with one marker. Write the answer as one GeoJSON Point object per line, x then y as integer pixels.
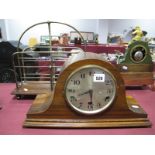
{"type": "Point", "coordinates": [108, 82]}
{"type": "Point", "coordinates": [109, 91]}
{"type": "Point", "coordinates": [73, 99]}
{"type": "Point", "coordinates": [71, 90]}
{"type": "Point", "coordinates": [90, 73]}
{"type": "Point", "coordinates": [80, 105]}
{"type": "Point", "coordinates": [82, 76]}
{"type": "Point", "coordinates": [76, 82]}
{"type": "Point", "coordinates": [90, 105]}
{"type": "Point", "coordinates": [107, 98]}
{"type": "Point", "coordinates": [98, 104]}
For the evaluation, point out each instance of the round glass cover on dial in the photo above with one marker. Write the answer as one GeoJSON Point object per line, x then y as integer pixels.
{"type": "Point", "coordinates": [90, 89]}
{"type": "Point", "coordinates": [138, 54]}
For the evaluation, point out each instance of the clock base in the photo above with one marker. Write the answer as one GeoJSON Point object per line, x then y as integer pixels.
{"type": "Point", "coordinates": [137, 74]}
{"type": "Point", "coordinates": [57, 122]}
{"type": "Point", "coordinates": [99, 123]}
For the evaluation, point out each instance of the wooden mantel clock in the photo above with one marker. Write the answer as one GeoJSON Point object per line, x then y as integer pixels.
{"type": "Point", "coordinates": [89, 93]}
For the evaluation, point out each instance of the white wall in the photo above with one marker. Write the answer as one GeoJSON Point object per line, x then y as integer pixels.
{"type": "Point", "coordinates": [3, 29]}
{"type": "Point", "coordinates": [16, 27]}
{"type": "Point", "coordinates": [102, 30]}
{"type": "Point", "coordinates": [119, 25]}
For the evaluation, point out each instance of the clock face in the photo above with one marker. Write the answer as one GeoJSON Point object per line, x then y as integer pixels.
{"type": "Point", "coordinates": [138, 54]}
{"type": "Point", "coordinates": [90, 89]}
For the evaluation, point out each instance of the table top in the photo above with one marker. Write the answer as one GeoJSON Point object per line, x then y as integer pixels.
{"type": "Point", "coordinates": [13, 114]}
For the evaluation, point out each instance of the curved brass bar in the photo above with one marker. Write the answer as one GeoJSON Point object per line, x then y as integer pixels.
{"type": "Point", "coordinates": [49, 22]}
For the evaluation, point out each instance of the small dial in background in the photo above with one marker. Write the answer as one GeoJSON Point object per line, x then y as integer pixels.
{"type": "Point", "coordinates": [138, 54]}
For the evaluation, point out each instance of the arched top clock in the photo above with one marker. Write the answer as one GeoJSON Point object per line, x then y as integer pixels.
{"type": "Point", "coordinates": [89, 93]}
{"type": "Point", "coordinates": [136, 66]}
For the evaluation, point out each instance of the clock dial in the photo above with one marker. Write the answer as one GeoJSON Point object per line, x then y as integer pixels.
{"type": "Point", "coordinates": [90, 89]}
{"type": "Point", "coordinates": [138, 53]}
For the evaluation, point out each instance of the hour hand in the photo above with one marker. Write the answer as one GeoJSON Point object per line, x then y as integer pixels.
{"type": "Point", "coordinates": [91, 94]}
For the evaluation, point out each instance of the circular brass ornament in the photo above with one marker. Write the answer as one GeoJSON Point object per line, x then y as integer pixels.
{"type": "Point", "coordinates": [138, 53]}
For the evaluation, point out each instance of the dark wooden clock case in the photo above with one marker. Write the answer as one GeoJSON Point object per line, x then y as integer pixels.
{"type": "Point", "coordinates": [50, 110]}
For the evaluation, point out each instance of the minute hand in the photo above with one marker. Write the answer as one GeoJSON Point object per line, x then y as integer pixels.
{"type": "Point", "coordinates": [86, 92]}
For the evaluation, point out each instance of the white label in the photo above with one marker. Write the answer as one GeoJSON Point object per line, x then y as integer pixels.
{"type": "Point", "coordinates": [99, 77]}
